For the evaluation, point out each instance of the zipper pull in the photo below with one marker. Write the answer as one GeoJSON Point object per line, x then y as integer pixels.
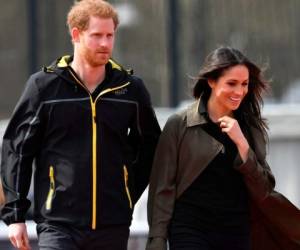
{"type": "Point", "coordinates": [51, 172]}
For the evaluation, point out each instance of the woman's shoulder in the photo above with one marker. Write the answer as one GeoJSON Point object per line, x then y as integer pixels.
{"type": "Point", "coordinates": [178, 117]}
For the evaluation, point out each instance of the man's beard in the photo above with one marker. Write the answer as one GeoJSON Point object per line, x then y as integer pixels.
{"type": "Point", "coordinates": [94, 59]}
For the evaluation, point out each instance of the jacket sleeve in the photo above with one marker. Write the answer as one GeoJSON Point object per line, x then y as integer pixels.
{"type": "Point", "coordinates": [257, 174]}
{"type": "Point", "coordinates": [162, 188]}
{"type": "Point", "coordinates": [143, 137]}
{"type": "Point", "coordinates": [20, 142]}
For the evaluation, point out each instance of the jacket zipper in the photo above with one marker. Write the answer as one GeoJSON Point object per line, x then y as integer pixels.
{"type": "Point", "coordinates": [94, 162]}
{"type": "Point", "coordinates": [126, 186]}
{"type": "Point", "coordinates": [51, 189]}
{"type": "Point", "coordinates": [94, 144]}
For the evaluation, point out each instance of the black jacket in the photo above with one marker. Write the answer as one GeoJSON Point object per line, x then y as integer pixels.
{"type": "Point", "coordinates": [93, 153]}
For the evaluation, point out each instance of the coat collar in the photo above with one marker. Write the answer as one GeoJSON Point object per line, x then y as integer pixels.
{"type": "Point", "coordinates": [196, 113]}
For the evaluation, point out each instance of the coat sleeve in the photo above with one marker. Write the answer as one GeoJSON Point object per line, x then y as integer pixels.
{"type": "Point", "coordinates": [257, 174]}
{"type": "Point", "coordinates": [20, 143]}
{"type": "Point", "coordinates": [143, 137]}
{"type": "Point", "coordinates": [162, 188]}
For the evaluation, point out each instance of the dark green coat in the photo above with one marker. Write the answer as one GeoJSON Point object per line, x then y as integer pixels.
{"type": "Point", "coordinates": [184, 151]}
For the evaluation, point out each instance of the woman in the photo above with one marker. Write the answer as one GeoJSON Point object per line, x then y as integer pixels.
{"type": "Point", "coordinates": [210, 165]}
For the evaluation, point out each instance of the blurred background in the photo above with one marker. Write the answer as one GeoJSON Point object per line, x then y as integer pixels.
{"type": "Point", "coordinates": [165, 43]}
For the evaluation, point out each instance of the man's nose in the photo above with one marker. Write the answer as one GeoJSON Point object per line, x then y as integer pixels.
{"type": "Point", "coordinates": [103, 42]}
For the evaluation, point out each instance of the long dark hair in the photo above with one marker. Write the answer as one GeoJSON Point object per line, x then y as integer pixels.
{"type": "Point", "coordinates": [214, 66]}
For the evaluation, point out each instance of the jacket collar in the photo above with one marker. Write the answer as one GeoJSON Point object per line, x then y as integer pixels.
{"type": "Point", "coordinates": [115, 73]}
{"type": "Point", "coordinates": [64, 62]}
{"type": "Point", "coordinates": [196, 113]}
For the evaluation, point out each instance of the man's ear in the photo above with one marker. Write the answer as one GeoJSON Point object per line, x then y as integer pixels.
{"type": "Point", "coordinates": [75, 34]}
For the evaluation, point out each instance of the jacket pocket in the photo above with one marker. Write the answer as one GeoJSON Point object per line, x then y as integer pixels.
{"type": "Point", "coordinates": [126, 185]}
{"type": "Point", "coordinates": [51, 188]}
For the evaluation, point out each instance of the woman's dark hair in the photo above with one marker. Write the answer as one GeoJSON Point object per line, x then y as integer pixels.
{"type": "Point", "coordinates": [214, 66]}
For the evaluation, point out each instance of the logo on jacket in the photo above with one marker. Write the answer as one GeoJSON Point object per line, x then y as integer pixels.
{"type": "Point", "coordinates": [121, 91]}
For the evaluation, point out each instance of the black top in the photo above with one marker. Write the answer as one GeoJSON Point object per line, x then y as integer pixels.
{"type": "Point", "coordinates": [217, 200]}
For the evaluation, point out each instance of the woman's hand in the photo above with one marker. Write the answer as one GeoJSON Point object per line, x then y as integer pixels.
{"type": "Point", "coordinates": [231, 127]}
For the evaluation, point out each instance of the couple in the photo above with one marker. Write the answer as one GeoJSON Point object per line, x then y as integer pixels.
{"type": "Point", "coordinates": [90, 128]}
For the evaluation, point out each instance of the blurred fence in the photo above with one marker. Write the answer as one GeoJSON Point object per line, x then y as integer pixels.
{"type": "Point", "coordinates": [267, 31]}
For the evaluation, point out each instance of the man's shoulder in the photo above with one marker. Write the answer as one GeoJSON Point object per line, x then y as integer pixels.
{"type": "Point", "coordinates": [135, 80]}
{"type": "Point", "coordinates": [120, 74]}
{"type": "Point", "coordinates": [42, 76]}
{"type": "Point", "coordinates": [56, 69]}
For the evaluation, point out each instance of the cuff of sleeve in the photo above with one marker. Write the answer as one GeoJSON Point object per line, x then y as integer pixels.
{"type": "Point", "coordinates": [157, 243]}
{"type": "Point", "coordinates": [237, 161]}
{"type": "Point", "coordinates": [247, 166]}
{"type": "Point", "coordinates": [14, 212]}
{"type": "Point", "coordinates": [11, 219]}
{"type": "Point", "coordinates": [157, 232]}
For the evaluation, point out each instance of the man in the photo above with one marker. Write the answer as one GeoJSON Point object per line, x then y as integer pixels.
{"type": "Point", "coordinates": [92, 132]}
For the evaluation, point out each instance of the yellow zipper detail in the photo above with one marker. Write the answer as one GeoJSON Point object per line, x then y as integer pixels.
{"type": "Point", "coordinates": [94, 144]}
{"type": "Point", "coordinates": [79, 82]}
{"type": "Point", "coordinates": [94, 152]}
{"type": "Point", "coordinates": [126, 186]}
{"type": "Point", "coordinates": [51, 189]}
{"type": "Point", "coordinates": [112, 89]}
{"type": "Point", "coordinates": [93, 105]}
{"type": "Point", "coordinates": [103, 92]}
{"type": "Point", "coordinates": [94, 214]}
